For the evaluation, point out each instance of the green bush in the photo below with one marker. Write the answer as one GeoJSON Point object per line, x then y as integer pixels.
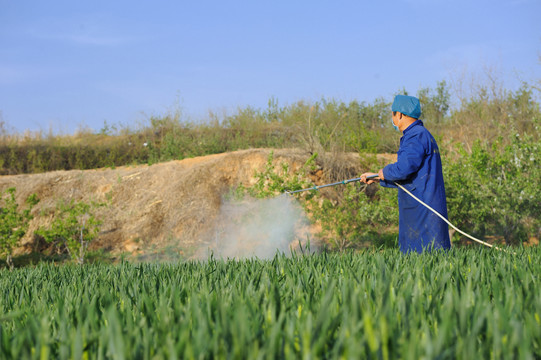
{"type": "Point", "coordinates": [358, 220]}
{"type": "Point", "coordinates": [354, 220]}
{"type": "Point", "coordinates": [494, 190]}
{"type": "Point", "coordinates": [272, 181]}
{"type": "Point", "coordinates": [13, 223]}
{"type": "Point", "coordinates": [73, 227]}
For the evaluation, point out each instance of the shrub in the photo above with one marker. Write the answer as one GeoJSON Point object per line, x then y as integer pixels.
{"type": "Point", "coordinates": [351, 219]}
{"type": "Point", "coordinates": [494, 190]}
{"type": "Point", "coordinates": [74, 226]}
{"type": "Point", "coordinates": [272, 182]}
{"type": "Point", "coordinates": [13, 223]}
{"type": "Point", "coordinates": [357, 219]}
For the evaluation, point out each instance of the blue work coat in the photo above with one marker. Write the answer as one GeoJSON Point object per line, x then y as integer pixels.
{"type": "Point", "coordinates": [418, 169]}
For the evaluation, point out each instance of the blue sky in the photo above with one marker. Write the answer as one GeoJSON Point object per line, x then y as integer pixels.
{"type": "Point", "coordinates": [66, 64]}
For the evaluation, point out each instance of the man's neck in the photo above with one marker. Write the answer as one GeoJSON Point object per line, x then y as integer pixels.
{"type": "Point", "coordinates": [406, 122]}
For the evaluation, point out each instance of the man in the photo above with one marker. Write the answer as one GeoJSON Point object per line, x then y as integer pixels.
{"type": "Point", "coordinates": [418, 169]}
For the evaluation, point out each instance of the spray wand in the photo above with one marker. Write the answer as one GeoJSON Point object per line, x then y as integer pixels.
{"type": "Point", "coordinates": [343, 182]}
{"type": "Point", "coordinates": [407, 192]}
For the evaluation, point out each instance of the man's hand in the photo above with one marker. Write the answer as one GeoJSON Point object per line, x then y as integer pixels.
{"type": "Point", "coordinates": [369, 181]}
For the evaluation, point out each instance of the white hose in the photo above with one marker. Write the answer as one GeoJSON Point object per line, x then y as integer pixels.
{"type": "Point", "coordinates": [447, 221]}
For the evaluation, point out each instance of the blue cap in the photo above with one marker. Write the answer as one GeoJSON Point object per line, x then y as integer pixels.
{"type": "Point", "coordinates": [407, 105]}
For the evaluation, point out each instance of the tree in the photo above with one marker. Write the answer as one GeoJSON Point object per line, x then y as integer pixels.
{"type": "Point", "coordinates": [13, 224]}
{"type": "Point", "coordinates": [435, 106]}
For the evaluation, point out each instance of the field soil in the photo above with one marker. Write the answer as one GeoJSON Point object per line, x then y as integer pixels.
{"type": "Point", "coordinates": [162, 207]}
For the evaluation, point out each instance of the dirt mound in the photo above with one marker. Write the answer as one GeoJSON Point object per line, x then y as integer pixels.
{"type": "Point", "coordinates": [163, 206]}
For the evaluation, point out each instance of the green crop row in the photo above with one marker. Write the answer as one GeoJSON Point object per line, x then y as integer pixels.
{"type": "Point", "coordinates": [467, 303]}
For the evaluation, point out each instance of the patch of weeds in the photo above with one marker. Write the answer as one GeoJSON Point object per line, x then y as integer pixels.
{"type": "Point", "coordinates": [33, 259]}
{"type": "Point", "coordinates": [99, 256]}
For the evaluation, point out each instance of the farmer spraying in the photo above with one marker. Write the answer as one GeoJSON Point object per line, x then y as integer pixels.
{"type": "Point", "coordinates": [418, 169]}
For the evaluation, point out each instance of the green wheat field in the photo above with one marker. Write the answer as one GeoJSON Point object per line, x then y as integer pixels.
{"type": "Point", "coordinates": [469, 303]}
